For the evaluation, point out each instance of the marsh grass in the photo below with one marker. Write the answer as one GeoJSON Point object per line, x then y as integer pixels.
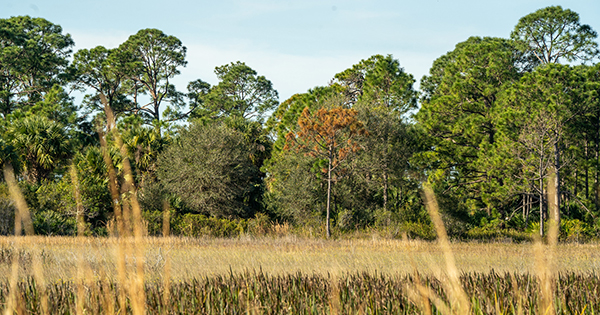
{"type": "Point", "coordinates": [295, 276]}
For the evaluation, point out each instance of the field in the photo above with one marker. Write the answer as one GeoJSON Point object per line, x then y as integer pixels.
{"type": "Point", "coordinates": [293, 275]}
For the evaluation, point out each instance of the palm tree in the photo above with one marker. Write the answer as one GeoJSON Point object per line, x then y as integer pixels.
{"type": "Point", "coordinates": [41, 144]}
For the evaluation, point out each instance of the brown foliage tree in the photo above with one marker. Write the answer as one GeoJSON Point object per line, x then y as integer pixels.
{"type": "Point", "coordinates": [328, 134]}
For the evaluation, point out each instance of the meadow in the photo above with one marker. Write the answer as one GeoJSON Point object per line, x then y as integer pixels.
{"type": "Point", "coordinates": [292, 275]}
{"type": "Point", "coordinates": [201, 257]}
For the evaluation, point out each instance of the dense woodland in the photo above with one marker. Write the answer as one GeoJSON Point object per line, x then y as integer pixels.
{"type": "Point", "coordinates": [496, 124]}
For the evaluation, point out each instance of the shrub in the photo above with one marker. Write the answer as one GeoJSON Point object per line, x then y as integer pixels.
{"type": "Point", "coordinates": [53, 223]}
{"type": "Point", "coordinates": [195, 225]}
{"type": "Point", "coordinates": [210, 168]}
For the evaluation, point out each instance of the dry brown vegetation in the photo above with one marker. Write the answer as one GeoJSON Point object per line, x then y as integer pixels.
{"type": "Point", "coordinates": [192, 258]}
{"type": "Point", "coordinates": [372, 275]}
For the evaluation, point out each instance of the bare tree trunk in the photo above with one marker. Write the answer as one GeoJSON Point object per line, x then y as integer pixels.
{"type": "Point", "coordinates": [596, 180]}
{"type": "Point", "coordinates": [587, 186]}
{"type": "Point", "coordinates": [541, 205]}
{"type": "Point", "coordinates": [576, 186]}
{"type": "Point", "coordinates": [557, 191]}
{"type": "Point", "coordinates": [527, 208]}
{"type": "Point", "coordinates": [597, 164]}
{"type": "Point", "coordinates": [385, 190]}
{"type": "Point", "coordinates": [524, 205]}
{"type": "Point", "coordinates": [328, 198]}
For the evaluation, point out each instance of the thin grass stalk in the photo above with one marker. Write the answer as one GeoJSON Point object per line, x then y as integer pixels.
{"type": "Point", "coordinates": [137, 292]}
{"type": "Point", "coordinates": [113, 185]}
{"type": "Point", "coordinates": [166, 277]}
{"type": "Point", "coordinates": [166, 222]}
{"type": "Point", "coordinates": [120, 245]}
{"type": "Point", "coordinates": [108, 302]}
{"type": "Point", "coordinates": [40, 280]}
{"type": "Point", "coordinates": [81, 265]}
{"type": "Point", "coordinates": [518, 294]}
{"type": "Point", "coordinates": [137, 286]}
{"type": "Point", "coordinates": [22, 215]}
{"type": "Point", "coordinates": [22, 222]}
{"type": "Point", "coordinates": [11, 300]}
{"type": "Point", "coordinates": [334, 295]}
{"type": "Point", "coordinates": [80, 291]}
{"type": "Point", "coordinates": [422, 297]}
{"type": "Point", "coordinates": [456, 292]}
{"type": "Point", "coordinates": [544, 267]}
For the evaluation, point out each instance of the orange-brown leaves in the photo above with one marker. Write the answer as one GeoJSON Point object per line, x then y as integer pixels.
{"type": "Point", "coordinates": [328, 133]}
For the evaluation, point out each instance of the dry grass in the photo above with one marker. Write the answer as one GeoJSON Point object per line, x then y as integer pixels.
{"type": "Point", "coordinates": [191, 258]}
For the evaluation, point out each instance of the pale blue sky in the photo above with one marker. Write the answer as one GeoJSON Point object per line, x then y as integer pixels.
{"type": "Point", "coordinates": [296, 44]}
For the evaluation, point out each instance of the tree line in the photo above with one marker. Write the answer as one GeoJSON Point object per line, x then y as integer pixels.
{"type": "Point", "coordinates": [496, 123]}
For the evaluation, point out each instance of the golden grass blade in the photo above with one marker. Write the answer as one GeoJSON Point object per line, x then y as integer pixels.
{"type": "Point", "coordinates": [23, 222]}
{"type": "Point", "coordinates": [545, 255]}
{"type": "Point", "coordinates": [166, 226]}
{"type": "Point", "coordinates": [11, 300]}
{"type": "Point", "coordinates": [133, 212]}
{"type": "Point", "coordinates": [113, 185]}
{"type": "Point", "coordinates": [422, 298]}
{"type": "Point", "coordinates": [458, 298]}
{"type": "Point", "coordinates": [166, 276]}
{"type": "Point", "coordinates": [40, 279]}
{"type": "Point", "coordinates": [22, 215]}
{"type": "Point", "coordinates": [416, 292]}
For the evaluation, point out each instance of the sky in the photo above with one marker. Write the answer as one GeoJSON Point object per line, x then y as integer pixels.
{"type": "Point", "coordinates": [297, 44]}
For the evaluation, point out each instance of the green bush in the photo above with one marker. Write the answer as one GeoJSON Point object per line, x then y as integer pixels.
{"type": "Point", "coordinates": [211, 170]}
{"type": "Point", "coordinates": [154, 219]}
{"type": "Point", "coordinates": [7, 216]}
{"type": "Point", "coordinates": [419, 230]}
{"type": "Point", "coordinates": [259, 225]}
{"type": "Point", "coordinates": [573, 230]}
{"type": "Point", "coordinates": [53, 223]}
{"type": "Point", "coordinates": [195, 225]}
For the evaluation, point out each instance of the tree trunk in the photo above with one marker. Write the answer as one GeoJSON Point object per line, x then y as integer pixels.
{"type": "Point", "coordinates": [587, 186]}
{"type": "Point", "coordinates": [557, 191]}
{"type": "Point", "coordinates": [527, 209]}
{"type": "Point", "coordinates": [541, 206]}
{"type": "Point", "coordinates": [596, 180]}
{"type": "Point", "coordinates": [524, 204]}
{"type": "Point", "coordinates": [597, 164]}
{"type": "Point", "coordinates": [327, 227]}
{"type": "Point", "coordinates": [385, 190]}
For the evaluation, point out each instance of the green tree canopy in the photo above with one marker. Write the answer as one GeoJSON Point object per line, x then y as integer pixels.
{"type": "Point", "coordinates": [33, 57]}
{"type": "Point", "coordinates": [210, 168]}
{"type": "Point", "coordinates": [240, 92]}
{"type": "Point", "coordinates": [459, 110]}
{"type": "Point", "coordinates": [154, 59]}
{"type": "Point", "coordinates": [554, 33]}
{"type": "Point", "coordinates": [101, 70]}
{"type": "Point", "coordinates": [42, 146]}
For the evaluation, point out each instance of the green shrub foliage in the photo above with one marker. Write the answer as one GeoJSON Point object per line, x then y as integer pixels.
{"type": "Point", "coordinates": [210, 168]}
